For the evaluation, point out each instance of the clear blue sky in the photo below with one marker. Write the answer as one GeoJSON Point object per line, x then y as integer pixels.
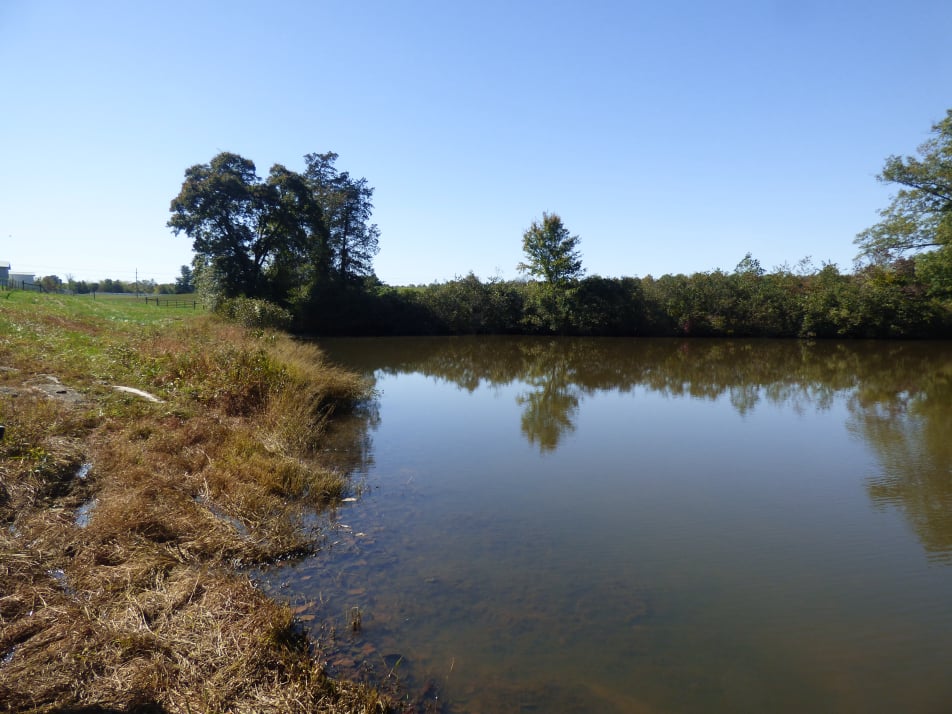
{"type": "Point", "coordinates": [671, 136]}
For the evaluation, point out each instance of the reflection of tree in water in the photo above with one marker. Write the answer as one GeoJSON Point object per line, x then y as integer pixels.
{"type": "Point", "coordinates": [548, 414]}
{"type": "Point", "coordinates": [347, 445]}
{"type": "Point", "coordinates": [550, 407]}
{"type": "Point", "coordinates": [907, 419]}
{"type": "Point", "coordinates": [899, 394]}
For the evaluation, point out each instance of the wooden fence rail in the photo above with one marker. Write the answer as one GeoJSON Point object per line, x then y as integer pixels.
{"type": "Point", "coordinates": [10, 284]}
{"type": "Point", "coordinates": [167, 302]}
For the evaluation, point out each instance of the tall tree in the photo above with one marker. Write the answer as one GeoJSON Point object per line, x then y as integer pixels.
{"type": "Point", "coordinates": [225, 209]}
{"type": "Point", "coordinates": [346, 203]}
{"type": "Point", "coordinates": [302, 254]}
{"type": "Point", "coordinates": [278, 238]}
{"type": "Point", "coordinates": [551, 251]}
{"type": "Point", "coordinates": [184, 283]}
{"type": "Point", "coordinates": [920, 214]}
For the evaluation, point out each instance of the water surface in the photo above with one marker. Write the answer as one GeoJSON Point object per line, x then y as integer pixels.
{"type": "Point", "coordinates": [643, 526]}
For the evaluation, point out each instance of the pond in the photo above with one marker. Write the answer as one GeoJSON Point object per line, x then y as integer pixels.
{"type": "Point", "coordinates": [627, 525]}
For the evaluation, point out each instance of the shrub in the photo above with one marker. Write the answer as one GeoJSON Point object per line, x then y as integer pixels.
{"type": "Point", "coordinates": [255, 313]}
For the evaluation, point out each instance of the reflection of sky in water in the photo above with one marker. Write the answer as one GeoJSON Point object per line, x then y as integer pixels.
{"type": "Point", "coordinates": [705, 548]}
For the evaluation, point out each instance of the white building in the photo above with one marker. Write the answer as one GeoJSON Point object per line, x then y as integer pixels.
{"type": "Point", "coordinates": [21, 278]}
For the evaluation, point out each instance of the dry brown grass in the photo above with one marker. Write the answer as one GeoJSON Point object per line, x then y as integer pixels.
{"type": "Point", "coordinates": [144, 606]}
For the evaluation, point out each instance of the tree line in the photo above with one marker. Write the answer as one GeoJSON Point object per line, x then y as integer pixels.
{"type": "Point", "coordinates": [877, 301]}
{"type": "Point", "coordinates": [305, 241]}
{"type": "Point", "coordinates": [55, 284]}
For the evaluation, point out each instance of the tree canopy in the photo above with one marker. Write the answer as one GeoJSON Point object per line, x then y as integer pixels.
{"type": "Point", "coordinates": [551, 251]}
{"type": "Point", "coordinates": [352, 241]}
{"type": "Point", "coordinates": [183, 283]}
{"type": "Point", "coordinates": [919, 216]}
{"type": "Point", "coordinates": [267, 238]}
{"type": "Point", "coordinates": [222, 207]}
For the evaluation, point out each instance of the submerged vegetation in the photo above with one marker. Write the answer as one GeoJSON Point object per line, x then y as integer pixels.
{"type": "Point", "coordinates": [126, 517]}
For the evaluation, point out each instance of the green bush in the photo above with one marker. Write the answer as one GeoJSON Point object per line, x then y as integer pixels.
{"type": "Point", "coordinates": [255, 313]}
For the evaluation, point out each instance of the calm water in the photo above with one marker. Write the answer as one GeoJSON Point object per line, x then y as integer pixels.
{"type": "Point", "coordinates": [643, 526]}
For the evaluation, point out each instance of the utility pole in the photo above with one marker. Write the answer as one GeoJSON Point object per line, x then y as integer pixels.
{"type": "Point", "coordinates": [137, 283]}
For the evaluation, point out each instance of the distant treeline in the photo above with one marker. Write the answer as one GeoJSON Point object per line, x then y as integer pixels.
{"type": "Point", "coordinates": [892, 301]}
{"type": "Point", "coordinates": [55, 284]}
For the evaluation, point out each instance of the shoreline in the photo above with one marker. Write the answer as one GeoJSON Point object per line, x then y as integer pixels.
{"type": "Point", "coordinates": [127, 523]}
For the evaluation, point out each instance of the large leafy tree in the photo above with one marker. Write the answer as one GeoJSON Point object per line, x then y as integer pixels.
{"type": "Point", "coordinates": [919, 218]}
{"type": "Point", "coordinates": [271, 238]}
{"type": "Point", "coordinates": [301, 256]}
{"type": "Point", "coordinates": [552, 255]}
{"type": "Point", "coordinates": [551, 251]}
{"type": "Point", "coordinates": [226, 210]}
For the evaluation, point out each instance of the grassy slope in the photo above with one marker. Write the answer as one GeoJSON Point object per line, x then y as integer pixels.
{"type": "Point", "coordinates": [143, 605]}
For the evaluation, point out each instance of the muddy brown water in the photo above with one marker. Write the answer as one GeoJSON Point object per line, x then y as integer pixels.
{"type": "Point", "coordinates": [642, 526]}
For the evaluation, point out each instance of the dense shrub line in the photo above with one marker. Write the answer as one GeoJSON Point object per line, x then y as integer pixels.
{"type": "Point", "coordinates": [894, 301]}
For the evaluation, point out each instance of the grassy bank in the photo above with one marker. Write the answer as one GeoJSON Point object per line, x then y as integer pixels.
{"type": "Point", "coordinates": [125, 522]}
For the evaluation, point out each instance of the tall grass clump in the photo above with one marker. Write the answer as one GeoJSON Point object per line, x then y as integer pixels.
{"type": "Point", "coordinates": [312, 392]}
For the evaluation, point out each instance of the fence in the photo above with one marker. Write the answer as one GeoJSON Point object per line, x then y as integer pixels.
{"type": "Point", "coordinates": [169, 302]}
{"type": "Point", "coordinates": [12, 284]}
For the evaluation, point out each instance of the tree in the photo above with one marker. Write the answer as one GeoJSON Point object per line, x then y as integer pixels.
{"type": "Point", "coordinates": [551, 252]}
{"type": "Point", "coordinates": [184, 283]}
{"type": "Point", "coordinates": [51, 283]}
{"type": "Point", "coordinates": [346, 204]}
{"type": "Point", "coordinates": [301, 256]}
{"type": "Point", "coordinates": [278, 239]}
{"type": "Point", "coordinates": [225, 209]}
{"type": "Point", "coordinates": [920, 214]}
